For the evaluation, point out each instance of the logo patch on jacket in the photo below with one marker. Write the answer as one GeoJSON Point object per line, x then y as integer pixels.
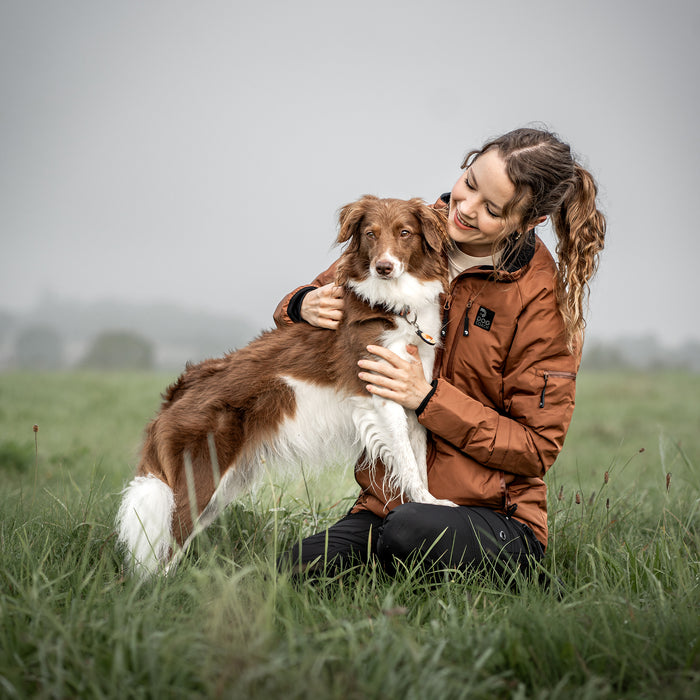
{"type": "Point", "coordinates": [484, 318]}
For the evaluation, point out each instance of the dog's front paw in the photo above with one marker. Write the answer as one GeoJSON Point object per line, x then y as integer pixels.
{"type": "Point", "coordinates": [444, 502]}
{"type": "Point", "coordinates": [427, 497]}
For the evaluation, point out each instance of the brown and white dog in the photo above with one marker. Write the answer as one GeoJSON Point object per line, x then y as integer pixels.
{"type": "Point", "coordinates": [292, 396]}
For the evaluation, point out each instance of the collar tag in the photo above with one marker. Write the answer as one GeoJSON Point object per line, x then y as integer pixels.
{"type": "Point", "coordinates": [425, 337]}
{"type": "Point", "coordinates": [405, 313]}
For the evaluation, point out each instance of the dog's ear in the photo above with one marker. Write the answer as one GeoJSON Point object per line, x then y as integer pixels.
{"type": "Point", "coordinates": [350, 217]}
{"type": "Point", "coordinates": [434, 225]}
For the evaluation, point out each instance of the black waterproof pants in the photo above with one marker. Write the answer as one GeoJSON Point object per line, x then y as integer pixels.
{"type": "Point", "coordinates": [436, 537]}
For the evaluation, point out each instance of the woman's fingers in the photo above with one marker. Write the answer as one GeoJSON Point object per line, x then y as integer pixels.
{"type": "Point", "coordinates": [379, 367]}
{"type": "Point", "coordinates": [379, 380]}
{"type": "Point", "coordinates": [323, 307]}
{"type": "Point", "coordinates": [394, 378]}
{"type": "Point", "coordinates": [385, 354]}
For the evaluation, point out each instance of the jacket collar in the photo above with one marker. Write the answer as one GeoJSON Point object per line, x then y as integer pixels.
{"type": "Point", "coordinates": [512, 262]}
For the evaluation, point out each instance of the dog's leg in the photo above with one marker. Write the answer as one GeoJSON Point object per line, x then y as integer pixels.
{"type": "Point", "coordinates": [418, 442]}
{"type": "Point", "coordinates": [235, 481]}
{"type": "Point", "coordinates": [418, 438]}
{"type": "Point", "coordinates": [383, 429]}
{"type": "Point", "coordinates": [406, 437]}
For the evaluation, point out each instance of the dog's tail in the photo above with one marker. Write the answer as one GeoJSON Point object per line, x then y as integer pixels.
{"type": "Point", "coordinates": [144, 524]}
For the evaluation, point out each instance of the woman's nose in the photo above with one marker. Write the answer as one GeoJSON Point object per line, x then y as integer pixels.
{"type": "Point", "coordinates": [468, 206]}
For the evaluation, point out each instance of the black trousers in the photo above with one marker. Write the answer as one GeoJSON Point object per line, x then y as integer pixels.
{"type": "Point", "coordinates": [437, 537]}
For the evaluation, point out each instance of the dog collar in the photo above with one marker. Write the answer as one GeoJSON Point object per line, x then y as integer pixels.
{"type": "Point", "coordinates": [405, 313]}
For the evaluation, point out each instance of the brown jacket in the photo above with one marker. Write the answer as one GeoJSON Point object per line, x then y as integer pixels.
{"type": "Point", "coordinates": [503, 392]}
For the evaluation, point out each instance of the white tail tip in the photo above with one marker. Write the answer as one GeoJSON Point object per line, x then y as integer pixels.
{"type": "Point", "coordinates": [144, 524]}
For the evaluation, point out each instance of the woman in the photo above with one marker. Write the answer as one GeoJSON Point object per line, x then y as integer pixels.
{"type": "Point", "coordinates": [501, 402]}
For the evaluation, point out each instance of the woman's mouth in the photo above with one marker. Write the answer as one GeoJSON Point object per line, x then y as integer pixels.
{"type": "Point", "coordinates": [461, 223]}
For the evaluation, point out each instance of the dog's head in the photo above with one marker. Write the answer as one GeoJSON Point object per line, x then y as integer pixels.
{"type": "Point", "coordinates": [388, 237]}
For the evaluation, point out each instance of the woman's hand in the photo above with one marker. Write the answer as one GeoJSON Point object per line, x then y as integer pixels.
{"type": "Point", "coordinates": [392, 378]}
{"type": "Point", "coordinates": [323, 307]}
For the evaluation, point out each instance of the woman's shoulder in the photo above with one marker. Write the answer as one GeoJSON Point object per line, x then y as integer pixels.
{"type": "Point", "coordinates": [542, 259]}
{"type": "Point", "coordinates": [541, 268]}
{"type": "Point", "coordinates": [532, 265]}
{"type": "Point", "coordinates": [536, 281]}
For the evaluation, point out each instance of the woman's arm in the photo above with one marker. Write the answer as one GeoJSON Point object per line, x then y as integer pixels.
{"type": "Point", "coordinates": [527, 434]}
{"type": "Point", "coordinates": [519, 445]}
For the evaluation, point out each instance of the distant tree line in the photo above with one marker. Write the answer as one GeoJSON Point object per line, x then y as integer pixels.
{"type": "Point", "coordinates": [84, 341]}
{"type": "Point", "coordinates": [642, 353]}
{"type": "Point", "coordinates": [60, 334]}
{"type": "Point", "coordinates": [42, 348]}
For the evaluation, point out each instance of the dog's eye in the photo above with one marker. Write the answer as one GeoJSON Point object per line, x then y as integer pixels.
{"type": "Point", "coordinates": [370, 234]}
{"type": "Point", "coordinates": [405, 233]}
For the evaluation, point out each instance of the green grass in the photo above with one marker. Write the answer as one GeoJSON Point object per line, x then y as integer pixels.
{"type": "Point", "coordinates": [625, 621]}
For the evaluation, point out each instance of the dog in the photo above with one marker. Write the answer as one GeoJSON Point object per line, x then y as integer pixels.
{"type": "Point", "coordinates": [293, 394]}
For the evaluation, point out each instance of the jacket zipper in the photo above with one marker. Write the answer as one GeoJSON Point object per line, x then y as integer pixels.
{"type": "Point", "coordinates": [465, 330]}
{"type": "Point", "coordinates": [445, 315]}
{"type": "Point", "coordinates": [544, 388]}
{"type": "Point", "coordinates": [547, 375]}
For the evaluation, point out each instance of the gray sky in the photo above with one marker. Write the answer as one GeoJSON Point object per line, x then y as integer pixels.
{"type": "Point", "coordinates": [197, 152]}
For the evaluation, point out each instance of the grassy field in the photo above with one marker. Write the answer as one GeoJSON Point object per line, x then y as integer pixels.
{"type": "Point", "coordinates": [624, 517]}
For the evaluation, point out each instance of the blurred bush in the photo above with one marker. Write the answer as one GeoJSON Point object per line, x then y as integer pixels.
{"type": "Point", "coordinates": [16, 457]}
{"type": "Point", "coordinates": [113, 350]}
{"type": "Point", "coordinates": [39, 347]}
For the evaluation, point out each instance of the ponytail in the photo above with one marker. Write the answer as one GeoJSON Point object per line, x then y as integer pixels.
{"type": "Point", "coordinates": [580, 231]}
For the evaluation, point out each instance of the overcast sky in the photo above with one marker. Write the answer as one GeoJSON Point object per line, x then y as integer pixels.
{"type": "Point", "coordinates": [198, 152]}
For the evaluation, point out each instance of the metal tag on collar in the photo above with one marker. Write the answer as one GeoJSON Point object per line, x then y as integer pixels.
{"type": "Point", "coordinates": [404, 313]}
{"type": "Point", "coordinates": [425, 337]}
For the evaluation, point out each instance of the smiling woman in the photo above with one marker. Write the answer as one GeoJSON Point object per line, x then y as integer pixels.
{"type": "Point", "coordinates": [501, 398]}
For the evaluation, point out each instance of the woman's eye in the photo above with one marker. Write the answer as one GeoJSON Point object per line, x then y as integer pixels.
{"type": "Point", "coordinates": [490, 213]}
{"type": "Point", "coordinates": [468, 184]}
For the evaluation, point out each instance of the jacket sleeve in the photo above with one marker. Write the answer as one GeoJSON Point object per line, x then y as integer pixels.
{"type": "Point", "coordinates": [527, 434]}
{"type": "Point", "coordinates": [281, 315]}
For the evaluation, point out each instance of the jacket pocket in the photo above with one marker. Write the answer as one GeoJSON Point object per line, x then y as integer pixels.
{"type": "Point", "coordinates": [547, 375]}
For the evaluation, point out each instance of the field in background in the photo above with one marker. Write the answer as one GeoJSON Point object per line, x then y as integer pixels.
{"type": "Point", "coordinates": [620, 616]}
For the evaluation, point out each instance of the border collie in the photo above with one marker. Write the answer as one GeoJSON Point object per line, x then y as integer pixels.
{"type": "Point", "coordinates": [292, 396]}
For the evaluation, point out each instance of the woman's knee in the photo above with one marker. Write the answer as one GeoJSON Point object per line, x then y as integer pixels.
{"type": "Point", "coordinates": [410, 529]}
{"type": "Point", "coordinates": [448, 537]}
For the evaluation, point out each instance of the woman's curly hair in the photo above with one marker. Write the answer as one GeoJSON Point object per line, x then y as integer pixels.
{"type": "Point", "coordinates": [549, 182]}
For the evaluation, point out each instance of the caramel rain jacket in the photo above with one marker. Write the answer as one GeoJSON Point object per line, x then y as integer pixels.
{"type": "Point", "coordinates": [503, 392]}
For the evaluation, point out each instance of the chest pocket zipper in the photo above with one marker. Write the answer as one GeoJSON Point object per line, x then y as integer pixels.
{"type": "Point", "coordinates": [547, 375]}
{"type": "Point", "coordinates": [465, 329]}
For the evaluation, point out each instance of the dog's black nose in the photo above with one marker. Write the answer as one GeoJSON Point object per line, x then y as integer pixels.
{"type": "Point", "coordinates": [384, 268]}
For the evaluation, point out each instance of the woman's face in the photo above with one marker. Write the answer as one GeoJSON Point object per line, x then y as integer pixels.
{"type": "Point", "coordinates": [476, 205]}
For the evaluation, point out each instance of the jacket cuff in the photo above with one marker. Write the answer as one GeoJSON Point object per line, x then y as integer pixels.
{"type": "Point", "coordinates": [427, 398]}
{"type": "Point", "coordinates": [294, 306]}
